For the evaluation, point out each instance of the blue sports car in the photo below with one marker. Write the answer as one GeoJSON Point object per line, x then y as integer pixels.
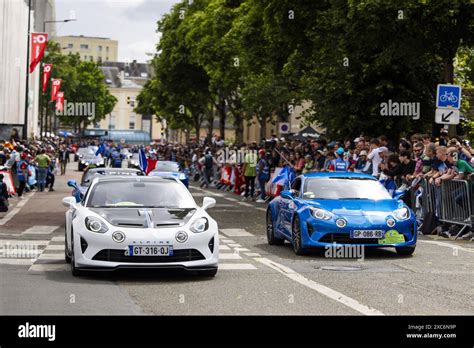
{"type": "Point", "coordinates": [170, 169]}
{"type": "Point", "coordinates": [342, 208]}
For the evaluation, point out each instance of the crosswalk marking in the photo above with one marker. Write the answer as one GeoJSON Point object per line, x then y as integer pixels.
{"type": "Point", "coordinates": [54, 267]}
{"type": "Point", "coordinates": [223, 247]}
{"type": "Point", "coordinates": [5, 242]}
{"type": "Point", "coordinates": [236, 266]}
{"type": "Point", "coordinates": [234, 245]}
{"type": "Point", "coordinates": [20, 262]}
{"type": "Point", "coordinates": [58, 239]}
{"type": "Point", "coordinates": [241, 249]}
{"type": "Point", "coordinates": [227, 241]}
{"type": "Point", "coordinates": [54, 256]}
{"type": "Point", "coordinates": [252, 254]}
{"type": "Point", "coordinates": [40, 230]}
{"type": "Point", "coordinates": [236, 232]}
{"type": "Point", "coordinates": [55, 247]}
{"type": "Point", "coordinates": [229, 256]}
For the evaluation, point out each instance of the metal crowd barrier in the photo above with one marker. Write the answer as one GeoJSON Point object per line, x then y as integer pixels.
{"type": "Point", "coordinates": [452, 202]}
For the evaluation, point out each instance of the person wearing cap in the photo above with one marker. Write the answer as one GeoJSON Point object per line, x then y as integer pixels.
{"type": "Point", "coordinates": [339, 164]}
{"type": "Point", "coordinates": [376, 155]}
{"type": "Point", "coordinates": [320, 159]}
{"type": "Point", "coordinates": [361, 163]}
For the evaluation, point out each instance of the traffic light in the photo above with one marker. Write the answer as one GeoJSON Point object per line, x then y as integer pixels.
{"type": "Point", "coordinates": [128, 100]}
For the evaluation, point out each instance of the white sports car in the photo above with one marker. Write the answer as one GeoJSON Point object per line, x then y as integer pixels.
{"type": "Point", "coordinates": [140, 222]}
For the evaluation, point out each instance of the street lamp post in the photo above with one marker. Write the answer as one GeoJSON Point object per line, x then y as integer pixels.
{"type": "Point", "coordinates": [45, 125]}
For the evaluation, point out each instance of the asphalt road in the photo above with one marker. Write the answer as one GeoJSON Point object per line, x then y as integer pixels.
{"type": "Point", "coordinates": [254, 278]}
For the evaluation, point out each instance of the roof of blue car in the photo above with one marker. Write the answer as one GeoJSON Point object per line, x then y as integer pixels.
{"type": "Point", "coordinates": [338, 175]}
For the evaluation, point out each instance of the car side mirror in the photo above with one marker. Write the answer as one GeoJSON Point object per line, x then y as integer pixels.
{"type": "Point", "coordinates": [73, 184]}
{"type": "Point", "coordinates": [288, 194]}
{"type": "Point", "coordinates": [208, 203]}
{"type": "Point", "coordinates": [399, 194]}
{"type": "Point", "coordinates": [68, 202]}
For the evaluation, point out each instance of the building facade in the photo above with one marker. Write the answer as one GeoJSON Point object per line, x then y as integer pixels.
{"type": "Point", "coordinates": [125, 81]}
{"type": "Point", "coordinates": [13, 63]}
{"type": "Point", "coordinates": [96, 49]}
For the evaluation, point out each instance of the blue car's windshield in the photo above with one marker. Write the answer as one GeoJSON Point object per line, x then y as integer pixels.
{"type": "Point", "coordinates": [167, 167]}
{"type": "Point", "coordinates": [344, 188]}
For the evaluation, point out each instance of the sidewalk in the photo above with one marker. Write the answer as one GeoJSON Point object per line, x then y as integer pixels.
{"type": "Point", "coordinates": [39, 208]}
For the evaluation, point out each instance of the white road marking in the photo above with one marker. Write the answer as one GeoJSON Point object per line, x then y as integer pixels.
{"type": "Point", "coordinates": [5, 242]}
{"type": "Point", "coordinates": [324, 290]}
{"type": "Point", "coordinates": [246, 204]}
{"type": "Point", "coordinates": [52, 267]}
{"type": "Point", "coordinates": [15, 210]}
{"type": "Point", "coordinates": [58, 239]}
{"type": "Point", "coordinates": [231, 199]}
{"type": "Point", "coordinates": [21, 262]}
{"type": "Point", "coordinates": [229, 256]}
{"type": "Point", "coordinates": [236, 266]}
{"type": "Point", "coordinates": [252, 254]}
{"type": "Point", "coordinates": [236, 232]}
{"type": "Point", "coordinates": [241, 249]}
{"type": "Point", "coordinates": [40, 230]}
{"type": "Point", "coordinates": [55, 247]}
{"type": "Point", "coordinates": [227, 241]}
{"type": "Point", "coordinates": [448, 245]}
{"type": "Point", "coordinates": [52, 256]}
{"type": "Point", "coordinates": [223, 247]}
{"type": "Point", "coordinates": [234, 245]}
{"type": "Point", "coordinates": [261, 209]}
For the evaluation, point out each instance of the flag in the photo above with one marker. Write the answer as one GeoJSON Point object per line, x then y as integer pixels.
{"type": "Point", "coordinates": [285, 177]}
{"type": "Point", "coordinates": [38, 45]}
{"type": "Point", "coordinates": [143, 160]}
{"type": "Point", "coordinates": [55, 89]}
{"type": "Point", "coordinates": [100, 150]}
{"type": "Point", "coordinates": [60, 101]}
{"type": "Point", "coordinates": [151, 164]}
{"type": "Point", "coordinates": [46, 72]}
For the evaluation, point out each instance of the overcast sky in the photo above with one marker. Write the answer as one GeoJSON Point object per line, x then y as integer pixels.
{"type": "Point", "coordinates": [131, 22]}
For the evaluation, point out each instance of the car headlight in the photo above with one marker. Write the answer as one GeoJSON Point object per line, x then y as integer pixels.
{"type": "Point", "coordinates": [83, 162]}
{"type": "Point", "coordinates": [87, 163]}
{"type": "Point", "coordinates": [93, 224]}
{"type": "Point", "coordinates": [200, 225]}
{"type": "Point", "coordinates": [182, 176]}
{"type": "Point", "coordinates": [391, 222]}
{"type": "Point", "coordinates": [402, 213]}
{"type": "Point", "coordinates": [321, 214]}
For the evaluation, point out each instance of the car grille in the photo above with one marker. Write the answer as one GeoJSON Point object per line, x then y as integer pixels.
{"type": "Point", "coordinates": [118, 255]}
{"type": "Point", "coordinates": [346, 239]}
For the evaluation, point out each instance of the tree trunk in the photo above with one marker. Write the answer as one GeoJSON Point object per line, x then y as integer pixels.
{"type": "Point", "coordinates": [239, 128]}
{"type": "Point", "coordinates": [221, 108]}
{"type": "Point", "coordinates": [197, 125]}
{"type": "Point", "coordinates": [263, 127]}
{"type": "Point", "coordinates": [448, 70]}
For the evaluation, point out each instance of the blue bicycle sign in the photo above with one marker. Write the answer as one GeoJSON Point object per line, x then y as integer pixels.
{"type": "Point", "coordinates": [448, 96]}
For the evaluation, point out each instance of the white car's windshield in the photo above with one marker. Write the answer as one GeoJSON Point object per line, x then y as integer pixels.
{"type": "Point", "coordinates": [167, 194]}
{"type": "Point", "coordinates": [344, 188]}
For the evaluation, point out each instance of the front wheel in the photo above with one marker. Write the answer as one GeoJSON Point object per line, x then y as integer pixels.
{"type": "Point", "coordinates": [75, 272]}
{"type": "Point", "coordinates": [406, 251]}
{"type": "Point", "coordinates": [67, 257]}
{"type": "Point", "coordinates": [296, 237]}
{"type": "Point", "coordinates": [272, 240]}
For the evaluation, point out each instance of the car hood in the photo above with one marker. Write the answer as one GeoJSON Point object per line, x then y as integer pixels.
{"type": "Point", "coordinates": [137, 217]}
{"type": "Point", "coordinates": [358, 207]}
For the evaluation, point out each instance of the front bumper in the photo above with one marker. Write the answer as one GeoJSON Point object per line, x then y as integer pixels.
{"type": "Point", "coordinates": [100, 252]}
{"type": "Point", "coordinates": [317, 233]}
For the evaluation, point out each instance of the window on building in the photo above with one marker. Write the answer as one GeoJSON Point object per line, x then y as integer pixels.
{"type": "Point", "coordinates": [84, 47]}
{"type": "Point", "coordinates": [111, 121]}
{"type": "Point", "coordinates": [91, 58]}
{"type": "Point", "coordinates": [96, 125]}
{"type": "Point", "coordinates": [131, 122]}
{"type": "Point", "coordinates": [107, 59]}
{"type": "Point", "coordinates": [99, 48]}
{"type": "Point", "coordinates": [107, 49]}
{"type": "Point", "coordinates": [85, 57]}
{"type": "Point", "coordinates": [70, 45]}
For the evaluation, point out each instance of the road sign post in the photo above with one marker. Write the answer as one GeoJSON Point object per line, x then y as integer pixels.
{"type": "Point", "coordinates": [448, 97]}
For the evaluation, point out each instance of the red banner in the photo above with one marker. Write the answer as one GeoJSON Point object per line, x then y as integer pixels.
{"type": "Point", "coordinates": [60, 101]}
{"type": "Point", "coordinates": [38, 45]}
{"type": "Point", "coordinates": [46, 72]}
{"type": "Point", "coordinates": [56, 85]}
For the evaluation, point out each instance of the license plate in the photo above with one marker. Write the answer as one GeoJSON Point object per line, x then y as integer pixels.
{"type": "Point", "coordinates": [367, 234]}
{"type": "Point", "coordinates": [150, 250]}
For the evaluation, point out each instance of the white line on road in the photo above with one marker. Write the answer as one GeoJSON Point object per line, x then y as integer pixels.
{"type": "Point", "coordinates": [58, 239]}
{"type": "Point", "coordinates": [223, 247]}
{"type": "Point", "coordinates": [15, 210]}
{"type": "Point", "coordinates": [52, 256]}
{"type": "Point", "coordinates": [241, 249]}
{"type": "Point", "coordinates": [40, 230]}
{"type": "Point", "coordinates": [21, 262]}
{"type": "Point", "coordinates": [234, 245]}
{"type": "Point", "coordinates": [229, 256]}
{"type": "Point", "coordinates": [448, 245]}
{"type": "Point", "coordinates": [236, 232]}
{"type": "Point", "coordinates": [234, 266]}
{"type": "Point", "coordinates": [252, 254]}
{"type": "Point", "coordinates": [4, 242]}
{"type": "Point", "coordinates": [324, 290]}
{"type": "Point", "coordinates": [54, 267]}
{"type": "Point", "coordinates": [55, 247]}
